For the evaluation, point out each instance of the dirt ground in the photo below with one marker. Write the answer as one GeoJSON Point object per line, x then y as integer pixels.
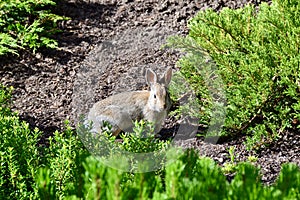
{"type": "Point", "coordinates": [104, 49]}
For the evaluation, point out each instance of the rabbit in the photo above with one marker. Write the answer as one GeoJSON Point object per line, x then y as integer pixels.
{"type": "Point", "coordinates": [122, 109]}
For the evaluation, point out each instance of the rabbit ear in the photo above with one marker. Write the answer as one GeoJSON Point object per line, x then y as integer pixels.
{"type": "Point", "coordinates": [151, 77]}
{"type": "Point", "coordinates": [166, 79]}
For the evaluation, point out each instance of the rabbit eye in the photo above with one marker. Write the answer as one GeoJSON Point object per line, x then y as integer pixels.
{"type": "Point", "coordinates": [154, 96]}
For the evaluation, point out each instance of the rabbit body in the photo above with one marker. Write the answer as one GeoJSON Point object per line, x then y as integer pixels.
{"type": "Point", "coordinates": [121, 109]}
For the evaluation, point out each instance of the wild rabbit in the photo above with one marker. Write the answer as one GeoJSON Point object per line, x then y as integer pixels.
{"type": "Point", "coordinates": [122, 109]}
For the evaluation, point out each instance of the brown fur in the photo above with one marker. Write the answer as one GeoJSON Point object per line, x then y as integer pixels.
{"type": "Point", "coordinates": [121, 109]}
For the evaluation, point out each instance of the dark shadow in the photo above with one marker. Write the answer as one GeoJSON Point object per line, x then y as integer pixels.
{"type": "Point", "coordinates": [171, 133]}
{"type": "Point", "coordinates": [46, 131]}
{"type": "Point", "coordinates": [84, 17]}
{"type": "Point", "coordinates": [168, 133]}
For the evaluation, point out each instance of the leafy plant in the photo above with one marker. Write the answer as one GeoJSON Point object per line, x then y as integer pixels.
{"type": "Point", "coordinates": [64, 155]}
{"type": "Point", "coordinates": [256, 54]}
{"type": "Point", "coordinates": [186, 101]}
{"type": "Point", "coordinates": [138, 146]}
{"type": "Point", "coordinates": [252, 158]}
{"type": "Point", "coordinates": [19, 155]}
{"type": "Point", "coordinates": [142, 139]}
{"type": "Point", "coordinates": [27, 24]}
{"type": "Point", "coordinates": [191, 177]}
{"type": "Point", "coordinates": [29, 170]}
{"type": "Point", "coordinates": [230, 167]}
{"type": "Point", "coordinates": [65, 170]}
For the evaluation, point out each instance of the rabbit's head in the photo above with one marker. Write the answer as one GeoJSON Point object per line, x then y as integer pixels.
{"type": "Point", "coordinates": [158, 97]}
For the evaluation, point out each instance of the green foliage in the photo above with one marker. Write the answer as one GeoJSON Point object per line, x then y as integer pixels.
{"type": "Point", "coordinates": [188, 104]}
{"type": "Point", "coordinates": [102, 182]}
{"type": "Point", "coordinates": [27, 24]}
{"type": "Point", "coordinates": [60, 174]}
{"type": "Point", "coordinates": [19, 156]}
{"type": "Point", "coordinates": [257, 56]}
{"type": "Point", "coordinates": [65, 170]}
{"type": "Point", "coordinates": [191, 177]}
{"type": "Point", "coordinates": [252, 158]}
{"type": "Point", "coordinates": [289, 174]}
{"type": "Point", "coordinates": [246, 183]}
{"type": "Point", "coordinates": [142, 140]}
{"type": "Point", "coordinates": [137, 147]}
{"type": "Point", "coordinates": [230, 167]}
{"type": "Point", "coordinates": [5, 95]}
{"type": "Point", "coordinates": [29, 170]}
{"type": "Point", "coordinates": [65, 154]}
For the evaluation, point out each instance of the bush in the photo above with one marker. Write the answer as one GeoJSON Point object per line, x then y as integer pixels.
{"type": "Point", "coordinates": [27, 24]}
{"type": "Point", "coordinates": [19, 155]}
{"type": "Point", "coordinates": [137, 147]}
{"type": "Point", "coordinates": [62, 164]}
{"type": "Point", "coordinates": [256, 54]}
{"type": "Point", "coordinates": [65, 170]}
{"type": "Point", "coordinates": [188, 177]}
{"type": "Point", "coordinates": [27, 169]}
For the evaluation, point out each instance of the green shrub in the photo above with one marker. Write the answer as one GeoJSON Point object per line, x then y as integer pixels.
{"type": "Point", "coordinates": [191, 177]}
{"type": "Point", "coordinates": [63, 158]}
{"type": "Point", "coordinates": [187, 177]}
{"type": "Point", "coordinates": [230, 167]}
{"type": "Point", "coordinates": [288, 183]}
{"type": "Point", "coordinates": [246, 183]}
{"type": "Point", "coordinates": [257, 56]}
{"type": "Point", "coordinates": [29, 170]}
{"type": "Point", "coordinates": [19, 155]}
{"type": "Point", "coordinates": [65, 170]}
{"type": "Point", "coordinates": [101, 182]}
{"type": "Point", "coordinates": [137, 147]}
{"type": "Point", "coordinates": [5, 95]}
{"type": "Point", "coordinates": [27, 24]}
